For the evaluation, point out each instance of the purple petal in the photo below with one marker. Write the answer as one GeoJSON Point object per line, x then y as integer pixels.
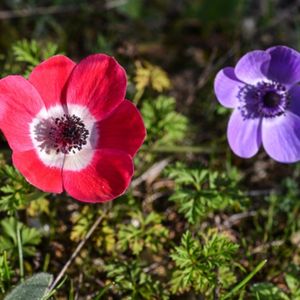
{"type": "Point", "coordinates": [227, 87]}
{"type": "Point", "coordinates": [294, 94]}
{"type": "Point", "coordinates": [244, 135]}
{"type": "Point", "coordinates": [284, 66]}
{"type": "Point", "coordinates": [250, 68]}
{"type": "Point", "coordinates": [281, 137]}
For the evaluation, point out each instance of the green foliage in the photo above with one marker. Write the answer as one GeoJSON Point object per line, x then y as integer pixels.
{"type": "Point", "coordinates": [284, 203]}
{"type": "Point", "coordinates": [239, 287]}
{"type": "Point", "coordinates": [292, 279]}
{"type": "Point", "coordinates": [201, 191]}
{"type": "Point", "coordinates": [268, 291]}
{"type": "Point", "coordinates": [38, 206]}
{"type": "Point", "coordinates": [164, 125]}
{"type": "Point", "coordinates": [31, 53]}
{"type": "Point", "coordinates": [168, 49]}
{"type": "Point", "coordinates": [5, 272]}
{"type": "Point", "coordinates": [16, 191]}
{"type": "Point", "coordinates": [133, 282]}
{"type": "Point", "coordinates": [203, 265]}
{"type": "Point", "coordinates": [34, 288]}
{"type": "Point", "coordinates": [81, 223]}
{"type": "Point", "coordinates": [30, 237]}
{"type": "Point", "coordinates": [105, 237]}
{"type": "Point", "coordinates": [144, 232]}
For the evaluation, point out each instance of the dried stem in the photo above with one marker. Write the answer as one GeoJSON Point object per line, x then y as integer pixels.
{"type": "Point", "coordinates": [78, 249]}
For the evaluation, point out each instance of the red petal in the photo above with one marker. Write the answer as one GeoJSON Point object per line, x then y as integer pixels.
{"type": "Point", "coordinates": [99, 83]}
{"type": "Point", "coordinates": [123, 130]}
{"type": "Point", "coordinates": [50, 77]}
{"type": "Point", "coordinates": [19, 103]}
{"type": "Point", "coordinates": [47, 179]}
{"type": "Point", "coordinates": [105, 178]}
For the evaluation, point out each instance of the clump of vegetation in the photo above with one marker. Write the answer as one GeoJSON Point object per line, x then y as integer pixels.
{"type": "Point", "coordinates": [197, 222]}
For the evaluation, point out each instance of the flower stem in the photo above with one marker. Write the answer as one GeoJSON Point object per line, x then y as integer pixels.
{"type": "Point", "coordinates": [78, 249]}
{"type": "Point", "coordinates": [20, 251]}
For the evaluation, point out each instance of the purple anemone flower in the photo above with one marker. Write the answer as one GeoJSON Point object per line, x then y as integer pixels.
{"type": "Point", "coordinates": [263, 91]}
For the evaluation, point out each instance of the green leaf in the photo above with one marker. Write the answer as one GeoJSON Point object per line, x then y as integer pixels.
{"type": "Point", "coordinates": [292, 279]}
{"type": "Point", "coordinates": [292, 282]}
{"type": "Point", "coordinates": [5, 272]}
{"type": "Point", "coordinates": [8, 239]}
{"type": "Point", "coordinates": [34, 288]}
{"type": "Point", "coordinates": [164, 125]}
{"type": "Point", "coordinates": [268, 291]}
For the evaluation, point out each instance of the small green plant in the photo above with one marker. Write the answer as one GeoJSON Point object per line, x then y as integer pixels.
{"type": "Point", "coordinates": [201, 191]}
{"type": "Point", "coordinates": [31, 53]}
{"type": "Point", "coordinates": [164, 125]}
{"type": "Point", "coordinates": [30, 237]}
{"type": "Point", "coordinates": [203, 264]}
{"type": "Point", "coordinates": [81, 222]}
{"type": "Point", "coordinates": [133, 282]}
{"type": "Point", "coordinates": [15, 190]}
{"type": "Point", "coordinates": [105, 237]}
{"type": "Point", "coordinates": [143, 232]}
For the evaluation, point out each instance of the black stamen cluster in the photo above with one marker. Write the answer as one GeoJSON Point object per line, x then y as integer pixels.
{"type": "Point", "coordinates": [68, 134]}
{"type": "Point", "coordinates": [271, 99]}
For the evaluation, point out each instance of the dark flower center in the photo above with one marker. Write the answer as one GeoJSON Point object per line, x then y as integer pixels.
{"type": "Point", "coordinates": [271, 99]}
{"type": "Point", "coordinates": [64, 134]}
{"type": "Point", "coordinates": [265, 99]}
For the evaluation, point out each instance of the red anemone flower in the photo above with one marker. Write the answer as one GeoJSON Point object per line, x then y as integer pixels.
{"type": "Point", "coordinates": [70, 127]}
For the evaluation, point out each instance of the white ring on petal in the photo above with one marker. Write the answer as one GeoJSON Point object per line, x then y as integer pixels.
{"type": "Point", "coordinates": [71, 161]}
